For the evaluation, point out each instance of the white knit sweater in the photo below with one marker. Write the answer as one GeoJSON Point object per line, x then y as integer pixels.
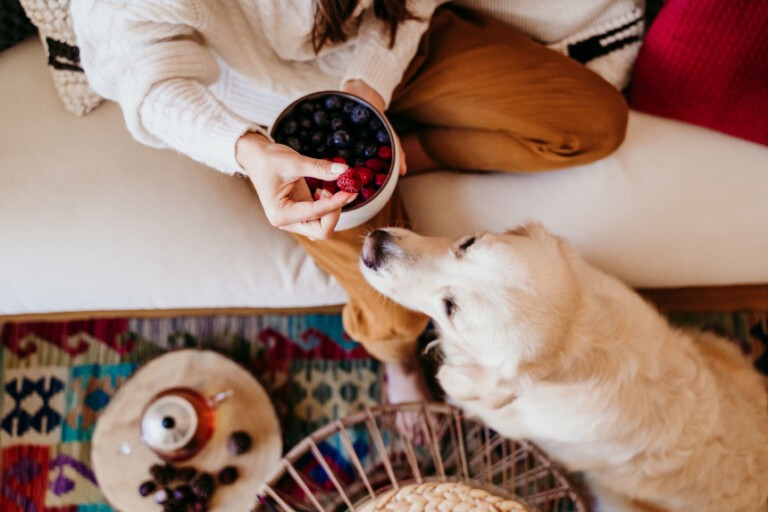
{"type": "Point", "coordinates": [195, 75]}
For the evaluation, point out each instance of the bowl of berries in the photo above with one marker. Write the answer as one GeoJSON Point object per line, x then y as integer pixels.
{"type": "Point", "coordinates": [344, 128]}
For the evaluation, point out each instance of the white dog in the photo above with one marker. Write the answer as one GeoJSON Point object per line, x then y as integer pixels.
{"type": "Point", "coordinates": [540, 345]}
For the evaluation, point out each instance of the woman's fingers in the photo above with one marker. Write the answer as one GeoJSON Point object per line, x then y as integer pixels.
{"type": "Point", "coordinates": [290, 212]}
{"type": "Point", "coordinates": [304, 166]}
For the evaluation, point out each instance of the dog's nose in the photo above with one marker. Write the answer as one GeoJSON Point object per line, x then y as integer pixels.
{"type": "Point", "coordinates": [373, 249]}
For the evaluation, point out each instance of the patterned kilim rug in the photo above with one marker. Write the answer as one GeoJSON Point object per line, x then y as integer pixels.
{"type": "Point", "coordinates": [57, 377]}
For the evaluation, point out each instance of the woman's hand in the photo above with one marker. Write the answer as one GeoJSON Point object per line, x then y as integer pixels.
{"type": "Point", "coordinates": [278, 174]}
{"type": "Point", "coordinates": [365, 91]}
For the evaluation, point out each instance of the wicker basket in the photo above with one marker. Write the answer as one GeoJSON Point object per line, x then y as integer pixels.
{"type": "Point", "coordinates": [376, 457]}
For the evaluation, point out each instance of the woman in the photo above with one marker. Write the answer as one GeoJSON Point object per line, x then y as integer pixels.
{"type": "Point", "coordinates": [204, 76]}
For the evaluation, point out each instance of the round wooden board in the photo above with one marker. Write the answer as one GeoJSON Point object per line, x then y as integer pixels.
{"type": "Point", "coordinates": [248, 409]}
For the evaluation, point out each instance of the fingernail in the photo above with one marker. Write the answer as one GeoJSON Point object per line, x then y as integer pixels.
{"type": "Point", "coordinates": [351, 198]}
{"type": "Point", "coordinates": [338, 168]}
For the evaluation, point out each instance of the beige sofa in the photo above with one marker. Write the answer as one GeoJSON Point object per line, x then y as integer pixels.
{"type": "Point", "coordinates": [91, 221]}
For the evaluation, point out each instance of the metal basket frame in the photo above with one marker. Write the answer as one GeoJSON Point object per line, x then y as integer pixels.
{"type": "Point", "coordinates": [454, 448]}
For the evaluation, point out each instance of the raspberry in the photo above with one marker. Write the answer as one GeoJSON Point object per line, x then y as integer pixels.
{"type": "Point", "coordinates": [349, 181]}
{"type": "Point", "coordinates": [385, 152]}
{"type": "Point", "coordinates": [312, 183]}
{"type": "Point", "coordinates": [330, 186]}
{"type": "Point", "coordinates": [380, 179]}
{"type": "Point", "coordinates": [365, 175]}
{"type": "Point", "coordinates": [367, 192]}
{"type": "Point", "coordinates": [375, 164]}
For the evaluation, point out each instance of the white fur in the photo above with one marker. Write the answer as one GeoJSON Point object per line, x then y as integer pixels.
{"type": "Point", "coordinates": [545, 347]}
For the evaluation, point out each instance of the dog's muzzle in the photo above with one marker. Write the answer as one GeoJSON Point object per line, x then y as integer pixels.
{"type": "Point", "coordinates": [374, 251]}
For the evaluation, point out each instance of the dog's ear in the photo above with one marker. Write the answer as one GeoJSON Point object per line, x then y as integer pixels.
{"type": "Point", "coordinates": [471, 384]}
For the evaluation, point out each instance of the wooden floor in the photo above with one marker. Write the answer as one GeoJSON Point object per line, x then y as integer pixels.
{"type": "Point", "coordinates": [691, 299]}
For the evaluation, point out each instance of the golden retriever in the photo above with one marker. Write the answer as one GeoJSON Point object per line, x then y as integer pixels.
{"type": "Point", "coordinates": [541, 345]}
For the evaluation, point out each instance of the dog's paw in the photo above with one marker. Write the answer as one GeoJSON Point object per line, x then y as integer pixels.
{"type": "Point", "coordinates": [472, 384]}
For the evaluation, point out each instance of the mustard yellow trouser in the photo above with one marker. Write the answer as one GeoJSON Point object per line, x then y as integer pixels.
{"type": "Point", "coordinates": [480, 96]}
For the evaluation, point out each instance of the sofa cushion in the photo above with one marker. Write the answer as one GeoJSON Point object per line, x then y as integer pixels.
{"type": "Point", "coordinates": [90, 220]}
{"type": "Point", "coordinates": [704, 61]}
{"type": "Point", "coordinates": [54, 24]}
{"type": "Point", "coordinates": [14, 24]}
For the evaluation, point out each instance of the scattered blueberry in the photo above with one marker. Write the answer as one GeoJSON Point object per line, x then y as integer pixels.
{"type": "Point", "coordinates": [182, 493]}
{"type": "Point", "coordinates": [228, 475]}
{"type": "Point", "coordinates": [162, 496]}
{"type": "Point", "coordinates": [340, 139]}
{"type": "Point", "coordinates": [147, 488]}
{"type": "Point", "coordinates": [186, 473]}
{"type": "Point", "coordinates": [360, 114]}
{"type": "Point", "coordinates": [332, 103]}
{"type": "Point", "coordinates": [383, 137]}
{"type": "Point", "coordinates": [348, 106]}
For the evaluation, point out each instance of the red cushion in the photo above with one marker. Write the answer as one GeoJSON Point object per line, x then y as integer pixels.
{"type": "Point", "coordinates": [706, 62]}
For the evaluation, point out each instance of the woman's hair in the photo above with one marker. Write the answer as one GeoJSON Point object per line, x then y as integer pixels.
{"type": "Point", "coordinates": [331, 16]}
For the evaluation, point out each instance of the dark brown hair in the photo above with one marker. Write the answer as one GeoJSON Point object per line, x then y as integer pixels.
{"type": "Point", "coordinates": [331, 15]}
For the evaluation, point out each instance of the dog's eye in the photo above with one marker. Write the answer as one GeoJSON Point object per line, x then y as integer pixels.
{"type": "Point", "coordinates": [450, 306]}
{"type": "Point", "coordinates": [467, 243]}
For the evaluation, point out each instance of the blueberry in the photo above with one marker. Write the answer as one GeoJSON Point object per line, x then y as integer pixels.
{"type": "Point", "coordinates": [317, 138]}
{"type": "Point", "coordinates": [348, 106]}
{"type": "Point", "coordinates": [307, 108]}
{"type": "Point", "coordinates": [359, 147]}
{"type": "Point", "coordinates": [359, 162]}
{"type": "Point", "coordinates": [290, 127]}
{"type": "Point", "coordinates": [360, 114]}
{"type": "Point", "coordinates": [362, 135]}
{"type": "Point", "coordinates": [303, 135]}
{"type": "Point", "coordinates": [320, 151]}
{"type": "Point", "coordinates": [305, 123]}
{"type": "Point", "coordinates": [383, 136]}
{"type": "Point", "coordinates": [344, 153]}
{"type": "Point", "coordinates": [228, 475]}
{"type": "Point", "coordinates": [182, 493]}
{"type": "Point", "coordinates": [337, 123]}
{"type": "Point", "coordinates": [147, 488]}
{"type": "Point", "coordinates": [370, 151]}
{"type": "Point", "coordinates": [332, 103]}
{"type": "Point", "coordinates": [293, 143]}
{"type": "Point", "coordinates": [375, 124]}
{"type": "Point", "coordinates": [340, 139]}
{"type": "Point", "coordinates": [320, 118]}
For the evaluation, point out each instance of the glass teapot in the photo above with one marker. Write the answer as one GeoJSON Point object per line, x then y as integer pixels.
{"type": "Point", "coordinates": [177, 423]}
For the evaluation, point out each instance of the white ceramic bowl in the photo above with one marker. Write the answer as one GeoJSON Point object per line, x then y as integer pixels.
{"type": "Point", "coordinates": [363, 212]}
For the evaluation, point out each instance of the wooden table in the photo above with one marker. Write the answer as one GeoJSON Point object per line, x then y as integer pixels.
{"type": "Point", "coordinates": [248, 409]}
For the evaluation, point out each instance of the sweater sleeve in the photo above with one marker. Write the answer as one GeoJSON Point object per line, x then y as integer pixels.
{"type": "Point", "coordinates": [380, 66]}
{"type": "Point", "coordinates": [151, 62]}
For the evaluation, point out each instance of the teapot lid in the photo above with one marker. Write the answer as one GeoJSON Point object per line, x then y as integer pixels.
{"type": "Point", "coordinates": [169, 423]}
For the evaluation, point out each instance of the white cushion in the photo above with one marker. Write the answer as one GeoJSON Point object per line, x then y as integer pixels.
{"type": "Point", "coordinates": [91, 220]}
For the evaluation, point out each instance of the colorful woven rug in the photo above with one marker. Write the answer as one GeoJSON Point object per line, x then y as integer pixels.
{"type": "Point", "coordinates": [56, 378]}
